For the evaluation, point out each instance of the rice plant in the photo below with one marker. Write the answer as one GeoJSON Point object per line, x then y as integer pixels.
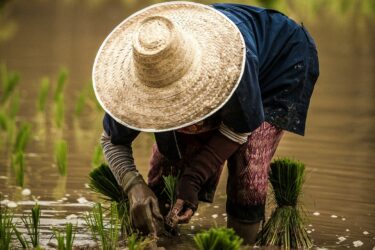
{"type": "Point", "coordinates": [218, 239]}
{"type": "Point", "coordinates": [21, 238]}
{"type": "Point", "coordinates": [170, 185]}
{"type": "Point", "coordinates": [32, 224]}
{"type": "Point", "coordinates": [80, 103]}
{"type": "Point", "coordinates": [103, 182]}
{"type": "Point", "coordinates": [6, 227]}
{"type": "Point", "coordinates": [22, 137]}
{"type": "Point", "coordinates": [14, 105]}
{"type": "Point", "coordinates": [9, 82]}
{"type": "Point", "coordinates": [285, 228]}
{"type": "Point", "coordinates": [137, 242]}
{"type": "Point", "coordinates": [107, 232]}
{"type": "Point", "coordinates": [97, 157]}
{"type": "Point", "coordinates": [65, 240]}
{"type": "Point", "coordinates": [18, 160]}
{"type": "Point", "coordinates": [43, 93]}
{"type": "Point", "coordinates": [4, 119]}
{"type": "Point", "coordinates": [59, 110]}
{"type": "Point", "coordinates": [61, 156]}
{"type": "Point", "coordinates": [61, 80]}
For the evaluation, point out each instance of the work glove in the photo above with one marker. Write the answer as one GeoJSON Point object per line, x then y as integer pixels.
{"type": "Point", "coordinates": [203, 166]}
{"type": "Point", "coordinates": [144, 209]}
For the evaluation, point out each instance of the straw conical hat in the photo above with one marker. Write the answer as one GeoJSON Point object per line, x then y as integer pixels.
{"type": "Point", "coordinates": [169, 66]}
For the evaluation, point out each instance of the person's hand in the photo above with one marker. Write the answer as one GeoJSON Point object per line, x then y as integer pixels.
{"type": "Point", "coordinates": [144, 209]}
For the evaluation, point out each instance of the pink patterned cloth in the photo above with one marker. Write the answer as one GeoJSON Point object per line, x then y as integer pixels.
{"type": "Point", "coordinates": [248, 170]}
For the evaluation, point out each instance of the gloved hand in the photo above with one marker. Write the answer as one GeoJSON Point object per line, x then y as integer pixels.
{"type": "Point", "coordinates": [204, 165]}
{"type": "Point", "coordinates": [144, 208]}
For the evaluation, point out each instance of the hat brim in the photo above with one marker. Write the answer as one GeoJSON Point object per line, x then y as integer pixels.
{"type": "Point", "coordinates": [215, 74]}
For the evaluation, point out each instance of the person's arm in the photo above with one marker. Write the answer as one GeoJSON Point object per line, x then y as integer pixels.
{"type": "Point", "coordinates": [223, 143]}
{"type": "Point", "coordinates": [116, 141]}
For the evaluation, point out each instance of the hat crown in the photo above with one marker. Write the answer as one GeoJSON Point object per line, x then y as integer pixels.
{"type": "Point", "coordinates": [162, 53]}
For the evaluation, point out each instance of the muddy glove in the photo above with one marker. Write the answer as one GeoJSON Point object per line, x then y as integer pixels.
{"type": "Point", "coordinates": [144, 208]}
{"type": "Point", "coordinates": [204, 165]}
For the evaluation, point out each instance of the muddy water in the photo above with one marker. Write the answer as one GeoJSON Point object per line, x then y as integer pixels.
{"type": "Point", "coordinates": [338, 147]}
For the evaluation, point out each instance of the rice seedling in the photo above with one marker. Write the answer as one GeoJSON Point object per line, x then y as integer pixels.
{"type": "Point", "coordinates": [9, 82]}
{"type": "Point", "coordinates": [22, 137]}
{"type": "Point", "coordinates": [21, 238]}
{"type": "Point", "coordinates": [103, 182]}
{"type": "Point", "coordinates": [97, 157]}
{"type": "Point", "coordinates": [137, 242]}
{"type": "Point", "coordinates": [61, 152]}
{"type": "Point", "coordinates": [4, 119]}
{"type": "Point", "coordinates": [43, 93]}
{"type": "Point", "coordinates": [65, 240]}
{"type": "Point", "coordinates": [6, 227]}
{"type": "Point", "coordinates": [32, 224]}
{"type": "Point", "coordinates": [18, 160]}
{"type": "Point", "coordinates": [59, 111]}
{"type": "Point", "coordinates": [61, 80]}
{"type": "Point", "coordinates": [218, 239]}
{"type": "Point", "coordinates": [285, 228]}
{"type": "Point", "coordinates": [106, 232]}
{"type": "Point", "coordinates": [80, 103]}
{"type": "Point", "coordinates": [14, 105]}
{"type": "Point", "coordinates": [170, 184]}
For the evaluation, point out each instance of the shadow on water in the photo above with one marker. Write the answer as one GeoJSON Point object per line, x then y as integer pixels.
{"type": "Point", "coordinates": [38, 37]}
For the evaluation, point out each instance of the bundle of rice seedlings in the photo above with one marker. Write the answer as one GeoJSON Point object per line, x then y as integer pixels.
{"type": "Point", "coordinates": [285, 228]}
{"type": "Point", "coordinates": [65, 239]}
{"type": "Point", "coordinates": [218, 239]}
{"type": "Point", "coordinates": [102, 181]}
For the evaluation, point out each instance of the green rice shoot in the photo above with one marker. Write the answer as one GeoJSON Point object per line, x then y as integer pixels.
{"type": "Point", "coordinates": [97, 157]}
{"type": "Point", "coordinates": [14, 105]}
{"type": "Point", "coordinates": [61, 156]}
{"type": "Point", "coordinates": [170, 185]}
{"type": "Point", "coordinates": [6, 227]}
{"type": "Point", "coordinates": [22, 137]}
{"type": "Point", "coordinates": [43, 93]}
{"type": "Point", "coordinates": [18, 165]}
{"type": "Point", "coordinates": [285, 228]}
{"type": "Point", "coordinates": [218, 239]}
{"type": "Point", "coordinates": [80, 103]}
{"type": "Point", "coordinates": [59, 111]}
{"type": "Point", "coordinates": [61, 80]}
{"type": "Point", "coordinates": [65, 239]}
{"type": "Point", "coordinates": [9, 82]}
{"type": "Point", "coordinates": [21, 238]}
{"type": "Point", "coordinates": [106, 232]}
{"type": "Point", "coordinates": [32, 225]}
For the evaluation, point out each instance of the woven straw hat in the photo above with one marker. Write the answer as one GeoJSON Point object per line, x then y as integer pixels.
{"type": "Point", "coordinates": [169, 66]}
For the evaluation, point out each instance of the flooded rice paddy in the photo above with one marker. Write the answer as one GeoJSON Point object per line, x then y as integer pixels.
{"type": "Point", "coordinates": [39, 37]}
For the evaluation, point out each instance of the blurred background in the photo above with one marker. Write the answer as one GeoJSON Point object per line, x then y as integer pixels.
{"type": "Point", "coordinates": [47, 49]}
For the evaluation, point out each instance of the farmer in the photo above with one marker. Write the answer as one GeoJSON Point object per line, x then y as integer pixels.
{"type": "Point", "coordinates": [215, 84]}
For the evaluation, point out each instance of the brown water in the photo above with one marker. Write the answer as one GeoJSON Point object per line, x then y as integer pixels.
{"type": "Point", "coordinates": [338, 149]}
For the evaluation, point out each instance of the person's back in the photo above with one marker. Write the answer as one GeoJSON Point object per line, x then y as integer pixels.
{"type": "Point", "coordinates": [282, 60]}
